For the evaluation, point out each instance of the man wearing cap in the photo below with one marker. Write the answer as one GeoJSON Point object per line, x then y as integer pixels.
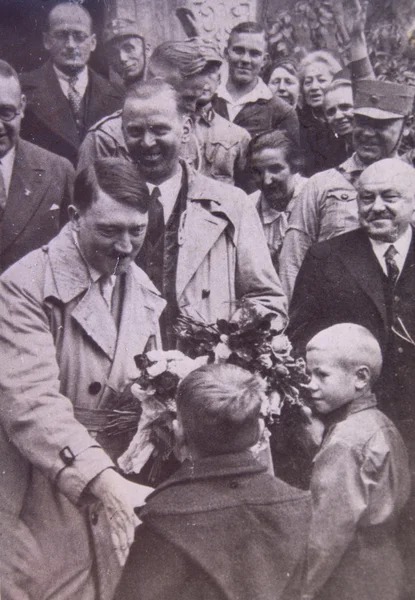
{"type": "Point", "coordinates": [64, 96]}
{"type": "Point", "coordinates": [245, 99]}
{"type": "Point", "coordinates": [327, 205]}
{"type": "Point", "coordinates": [217, 147]}
{"type": "Point", "coordinates": [125, 48]}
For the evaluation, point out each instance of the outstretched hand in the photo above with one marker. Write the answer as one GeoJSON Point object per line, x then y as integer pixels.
{"type": "Point", "coordinates": [350, 18]}
{"type": "Point", "coordinates": [119, 497]}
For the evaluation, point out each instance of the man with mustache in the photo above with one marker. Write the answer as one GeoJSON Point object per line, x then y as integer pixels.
{"type": "Point", "coordinates": [367, 276]}
{"type": "Point", "coordinates": [327, 205]}
{"type": "Point", "coordinates": [275, 161]}
{"type": "Point", "coordinates": [74, 315]}
{"type": "Point", "coordinates": [64, 96]}
{"type": "Point", "coordinates": [204, 249]}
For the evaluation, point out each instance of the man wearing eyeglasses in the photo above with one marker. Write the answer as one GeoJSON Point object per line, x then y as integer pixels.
{"type": "Point", "coordinates": [65, 97]}
{"type": "Point", "coordinates": [34, 183]}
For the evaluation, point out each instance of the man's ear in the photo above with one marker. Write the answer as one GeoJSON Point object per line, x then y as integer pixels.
{"type": "Point", "coordinates": [74, 215]}
{"type": "Point", "coordinates": [22, 104]}
{"type": "Point", "coordinates": [407, 126]}
{"type": "Point", "coordinates": [187, 129]}
{"type": "Point", "coordinates": [93, 42]}
{"type": "Point", "coordinates": [47, 42]}
{"type": "Point", "coordinates": [362, 375]}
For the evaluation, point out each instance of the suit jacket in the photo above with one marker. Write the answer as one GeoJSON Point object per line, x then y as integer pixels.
{"type": "Point", "coordinates": [64, 359]}
{"type": "Point", "coordinates": [41, 184]}
{"type": "Point", "coordinates": [262, 115]}
{"type": "Point", "coordinates": [220, 529]}
{"type": "Point", "coordinates": [341, 281]}
{"type": "Point", "coordinates": [48, 119]}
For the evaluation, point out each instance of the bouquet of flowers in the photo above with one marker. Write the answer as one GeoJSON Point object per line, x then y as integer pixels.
{"type": "Point", "coordinates": [147, 406]}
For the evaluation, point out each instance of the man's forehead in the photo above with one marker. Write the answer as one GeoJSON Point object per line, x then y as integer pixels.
{"type": "Point", "coordinates": [159, 106]}
{"type": "Point", "coordinates": [248, 40]}
{"type": "Point", "coordinates": [387, 176]}
{"type": "Point", "coordinates": [268, 156]}
{"type": "Point", "coordinates": [69, 17]}
{"type": "Point", "coordinates": [10, 91]}
{"type": "Point", "coordinates": [341, 94]}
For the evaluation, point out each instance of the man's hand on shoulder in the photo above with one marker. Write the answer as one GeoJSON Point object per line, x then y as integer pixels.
{"type": "Point", "coordinates": [119, 497]}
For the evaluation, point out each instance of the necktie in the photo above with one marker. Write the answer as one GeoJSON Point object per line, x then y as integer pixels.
{"type": "Point", "coordinates": [107, 289]}
{"type": "Point", "coordinates": [3, 193]}
{"type": "Point", "coordinates": [392, 267]}
{"type": "Point", "coordinates": [155, 217]}
{"type": "Point", "coordinates": [75, 99]}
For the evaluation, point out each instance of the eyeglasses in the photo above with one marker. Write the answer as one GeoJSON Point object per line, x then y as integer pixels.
{"type": "Point", "coordinates": [8, 113]}
{"type": "Point", "coordinates": [79, 37]}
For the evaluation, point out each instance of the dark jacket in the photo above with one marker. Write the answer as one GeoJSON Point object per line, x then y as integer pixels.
{"type": "Point", "coordinates": [41, 184]}
{"type": "Point", "coordinates": [262, 115]}
{"type": "Point", "coordinates": [48, 119]}
{"type": "Point", "coordinates": [341, 280]}
{"type": "Point", "coordinates": [219, 529]}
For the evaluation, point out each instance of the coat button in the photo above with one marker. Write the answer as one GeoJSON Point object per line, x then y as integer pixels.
{"type": "Point", "coordinates": [396, 298]}
{"type": "Point", "coordinates": [94, 518]}
{"type": "Point", "coordinates": [344, 196]}
{"type": "Point", "coordinates": [94, 388]}
{"type": "Point", "coordinates": [400, 350]}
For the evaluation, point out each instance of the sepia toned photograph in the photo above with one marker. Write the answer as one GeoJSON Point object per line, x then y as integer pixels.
{"type": "Point", "coordinates": [207, 300]}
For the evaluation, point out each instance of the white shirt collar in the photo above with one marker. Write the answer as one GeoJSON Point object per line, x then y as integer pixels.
{"type": "Point", "coordinates": [80, 85]}
{"type": "Point", "coordinates": [401, 245]}
{"type": "Point", "coordinates": [169, 190]}
{"type": "Point", "coordinates": [260, 92]}
{"type": "Point", "coordinates": [6, 166]}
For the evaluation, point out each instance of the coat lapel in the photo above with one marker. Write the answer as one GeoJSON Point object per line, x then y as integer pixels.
{"type": "Point", "coordinates": [248, 111]}
{"type": "Point", "coordinates": [362, 264]}
{"type": "Point", "coordinates": [141, 309]}
{"type": "Point", "coordinates": [200, 232]}
{"type": "Point", "coordinates": [70, 279]}
{"type": "Point", "coordinates": [27, 188]}
{"type": "Point", "coordinates": [51, 106]}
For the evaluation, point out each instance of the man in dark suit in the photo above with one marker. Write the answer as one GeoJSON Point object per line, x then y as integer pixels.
{"type": "Point", "coordinates": [64, 96]}
{"type": "Point", "coordinates": [34, 183]}
{"type": "Point", "coordinates": [367, 276]}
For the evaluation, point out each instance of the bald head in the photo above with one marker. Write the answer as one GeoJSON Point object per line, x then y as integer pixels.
{"type": "Point", "coordinates": [386, 199]}
{"type": "Point", "coordinates": [68, 11]}
{"type": "Point", "coordinates": [69, 38]}
{"type": "Point", "coordinates": [351, 346]}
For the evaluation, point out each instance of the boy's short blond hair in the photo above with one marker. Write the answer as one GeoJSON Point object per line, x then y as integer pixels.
{"type": "Point", "coordinates": [351, 345]}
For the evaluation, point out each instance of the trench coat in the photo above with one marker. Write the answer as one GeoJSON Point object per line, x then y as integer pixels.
{"type": "Point", "coordinates": [62, 357]}
{"type": "Point", "coordinates": [223, 256]}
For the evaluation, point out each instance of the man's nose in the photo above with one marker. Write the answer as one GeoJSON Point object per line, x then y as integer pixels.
{"type": "Point", "coordinates": [123, 244]}
{"type": "Point", "coordinates": [123, 56]}
{"type": "Point", "coordinates": [282, 85]}
{"type": "Point", "coordinates": [148, 139]}
{"type": "Point", "coordinates": [378, 205]}
{"type": "Point", "coordinates": [70, 41]}
{"type": "Point", "coordinates": [267, 178]}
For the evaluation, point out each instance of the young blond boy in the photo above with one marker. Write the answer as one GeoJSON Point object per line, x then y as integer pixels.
{"type": "Point", "coordinates": [360, 478]}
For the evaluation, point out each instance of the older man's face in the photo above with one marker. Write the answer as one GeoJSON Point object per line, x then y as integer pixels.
{"type": "Point", "coordinates": [375, 139]}
{"type": "Point", "coordinates": [386, 193]}
{"type": "Point", "coordinates": [69, 39]}
{"type": "Point", "coordinates": [12, 104]}
{"type": "Point", "coordinates": [126, 55]}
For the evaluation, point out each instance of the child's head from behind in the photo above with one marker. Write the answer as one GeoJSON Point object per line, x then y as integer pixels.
{"type": "Point", "coordinates": [343, 362]}
{"type": "Point", "coordinates": [218, 410]}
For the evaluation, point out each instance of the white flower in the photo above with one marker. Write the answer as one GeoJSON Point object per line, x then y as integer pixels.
{"type": "Point", "coordinates": [281, 344]}
{"type": "Point", "coordinates": [222, 352]}
{"type": "Point", "coordinates": [185, 365]}
{"type": "Point", "coordinates": [157, 368]}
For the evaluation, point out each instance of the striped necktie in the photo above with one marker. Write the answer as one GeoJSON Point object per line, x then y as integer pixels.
{"type": "Point", "coordinates": [391, 266]}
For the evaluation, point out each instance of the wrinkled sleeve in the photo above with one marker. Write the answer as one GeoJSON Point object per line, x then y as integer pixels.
{"type": "Point", "coordinates": [302, 232]}
{"type": "Point", "coordinates": [256, 279]}
{"type": "Point", "coordinates": [36, 417]}
{"type": "Point", "coordinates": [339, 499]}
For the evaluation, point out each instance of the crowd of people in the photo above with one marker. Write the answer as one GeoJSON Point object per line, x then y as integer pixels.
{"type": "Point", "coordinates": [176, 190]}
